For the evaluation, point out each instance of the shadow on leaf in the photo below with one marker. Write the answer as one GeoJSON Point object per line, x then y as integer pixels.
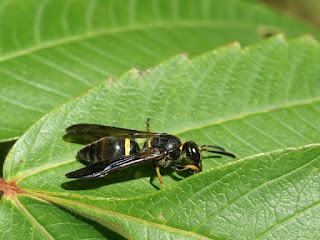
{"type": "Point", "coordinates": [104, 230]}
{"type": "Point", "coordinates": [124, 175]}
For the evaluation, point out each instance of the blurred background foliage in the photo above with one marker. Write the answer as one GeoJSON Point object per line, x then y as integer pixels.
{"type": "Point", "coordinates": [307, 10]}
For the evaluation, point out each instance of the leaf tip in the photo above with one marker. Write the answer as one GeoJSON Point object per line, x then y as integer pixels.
{"type": "Point", "coordinates": [233, 44]}
{"type": "Point", "coordinates": [184, 54]}
{"type": "Point", "coordinates": [137, 71]}
{"type": "Point", "coordinates": [110, 80]}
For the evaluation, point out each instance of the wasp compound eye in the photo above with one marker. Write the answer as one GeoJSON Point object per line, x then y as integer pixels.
{"type": "Point", "coordinates": [192, 151]}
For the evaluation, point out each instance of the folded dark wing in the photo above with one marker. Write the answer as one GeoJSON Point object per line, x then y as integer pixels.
{"type": "Point", "coordinates": [103, 168]}
{"type": "Point", "coordinates": [86, 133]}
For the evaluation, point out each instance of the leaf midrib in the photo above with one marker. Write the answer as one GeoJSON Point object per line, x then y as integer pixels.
{"type": "Point", "coordinates": [69, 203]}
{"type": "Point", "coordinates": [32, 218]}
{"type": "Point", "coordinates": [124, 29]}
{"type": "Point", "coordinates": [241, 116]}
{"type": "Point", "coordinates": [152, 193]}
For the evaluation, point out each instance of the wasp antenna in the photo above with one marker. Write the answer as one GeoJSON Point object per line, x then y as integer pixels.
{"type": "Point", "coordinates": [222, 153]}
{"type": "Point", "coordinates": [212, 146]}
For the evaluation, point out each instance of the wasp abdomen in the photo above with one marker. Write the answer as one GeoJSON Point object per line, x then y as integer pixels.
{"type": "Point", "coordinates": [108, 148]}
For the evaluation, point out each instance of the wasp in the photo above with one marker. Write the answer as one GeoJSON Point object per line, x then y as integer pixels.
{"type": "Point", "coordinates": [111, 149]}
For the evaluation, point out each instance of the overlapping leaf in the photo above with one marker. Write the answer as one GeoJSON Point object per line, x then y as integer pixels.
{"type": "Point", "coordinates": [54, 50]}
{"type": "Point", "coordinates": [252, 102]}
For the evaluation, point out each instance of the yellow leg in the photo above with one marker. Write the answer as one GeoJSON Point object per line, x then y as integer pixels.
{"type": "Point", "coordinates": [192, 167]}
{"type": "Point", "coordinates": [159, 176]}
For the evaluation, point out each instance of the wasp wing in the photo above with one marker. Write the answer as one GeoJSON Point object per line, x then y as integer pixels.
{"type": "Point", "coordinates": [103, 168]}
{"type": "Point", "coordinates": [85, 133]}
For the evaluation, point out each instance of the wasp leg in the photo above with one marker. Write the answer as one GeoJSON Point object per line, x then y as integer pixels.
{"type": "Point", "coordinates": [159, 176]}
{"type": "Point", "coordinates": [148, 125]}
{"type": "Point", "coordinates": [181, 168]}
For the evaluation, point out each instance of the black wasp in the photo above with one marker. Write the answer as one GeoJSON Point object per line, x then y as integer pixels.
{"type": "Point", "coordinates": [113, 148]}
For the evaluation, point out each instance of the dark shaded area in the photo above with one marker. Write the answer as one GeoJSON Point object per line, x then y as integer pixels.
{"type": "Point", "coordinates": [106, 232]}
{"type": "Point", "coordinates": [115, 177]}
{"type": "Point", "coordinates": [80, 139]}
{"type": "Point", "coordinates": [267, 32]}
{"type": "Point", "coordinates": [85, 133]}
{"type": "Point", "coordinates": [129, 174]}
{"type": "Point", "coordinates": [307, 10]}
{"type": "Point", "coordinates": [4, 149]}
{"type": "Point", "coordinates": [124, 175]}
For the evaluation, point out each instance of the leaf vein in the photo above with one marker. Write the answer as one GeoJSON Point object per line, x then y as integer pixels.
{"type": "Point", "coordinates": [32, 219]}
{"type": "Point", "coordinates": [104, 54]}
{"type": "Point", "coordinates": [262, 132]}
{"type": "Point", "coordinates": [70, 55]}
{"type": "Point", "coordinates": [288, 127]}
{"type": "Point", "coordinates": [33, 84]}
{"type": "Point", "coordinates": [254, 189]}
{"type": "Point", "coordinates": [253, 113]}
{"type": "Point", "coordinates": [116, 30]}
{"type": "Point", "coordinates": [21, 105]}
{"type": "Point", "coordinates": [38, 20]}
{"type": "Point", "coordinates": [289, 218]}
{"type": "Point", "coordinates": [59, 68]}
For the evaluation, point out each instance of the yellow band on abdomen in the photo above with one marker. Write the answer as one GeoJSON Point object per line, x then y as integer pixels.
{"type": "Point", "coordinates": [127, 147]}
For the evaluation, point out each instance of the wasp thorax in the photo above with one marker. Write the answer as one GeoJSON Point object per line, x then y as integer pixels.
{"type": "Point", "coordinates": [168, 143]}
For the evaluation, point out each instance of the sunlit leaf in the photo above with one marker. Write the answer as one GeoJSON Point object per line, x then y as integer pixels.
{"type": "Point", "coordinates": [260, 103]}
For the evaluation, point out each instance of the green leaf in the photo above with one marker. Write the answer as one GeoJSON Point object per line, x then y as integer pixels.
{"type": "Point", "coordinates": [25, 217]}
{"type": "Point", "coordinates": [260, 103]}
{"type": "Point", "coordinates": [52, 51]}
{"type": "Point", "coordinates": [264, 196]}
